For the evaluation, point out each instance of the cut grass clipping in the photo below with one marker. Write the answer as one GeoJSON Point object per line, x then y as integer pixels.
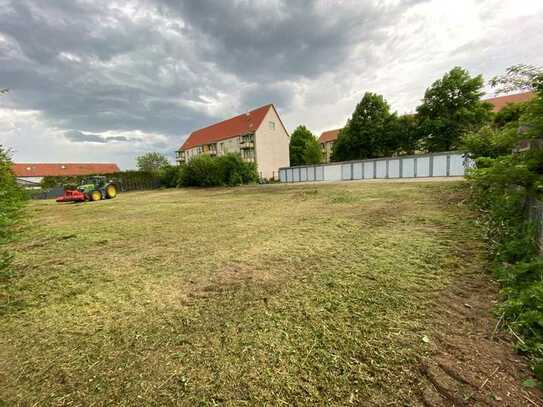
{"type": "Point", "coordinates": [248, 295]}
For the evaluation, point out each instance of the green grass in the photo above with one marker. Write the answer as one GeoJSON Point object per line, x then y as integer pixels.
{"type": "Point", "coordinates": [252, 295]}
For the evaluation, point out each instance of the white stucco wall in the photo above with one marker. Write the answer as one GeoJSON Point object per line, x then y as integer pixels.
{"type": "Point", "coordinates": [272, 146]}
{"type": "Point", "coordinates": [31, 179]}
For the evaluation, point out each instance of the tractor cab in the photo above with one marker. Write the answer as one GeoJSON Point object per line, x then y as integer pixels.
{"type": "Point", "coordinates": [89, 184]}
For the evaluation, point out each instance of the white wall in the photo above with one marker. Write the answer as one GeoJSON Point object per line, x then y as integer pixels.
{"type": "Point", "coordinates": [425, 165]}
{"type": "Point", "coordinates": [31, 179]}
{"type": "Point", "coordinates": [271, 146]}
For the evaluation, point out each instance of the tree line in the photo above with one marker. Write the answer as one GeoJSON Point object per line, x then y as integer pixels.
{"type": "Point", "coordinates": [451, 107]}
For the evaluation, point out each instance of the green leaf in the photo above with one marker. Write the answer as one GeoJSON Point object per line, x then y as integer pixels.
{"type": "Point", "coordinates": [529, 383]}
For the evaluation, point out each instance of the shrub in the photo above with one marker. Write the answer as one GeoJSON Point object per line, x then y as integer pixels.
{"type": "Point", "coordinates": [169, 176]}
{"type": "Point", "coordinates": [235, 171]}
{"type": "Point", "coordinates": [205, 171]}
{"type": "Point", "coordinates": [502, 188]}
{"type": "Point", "coordinates": [490, 142]}
{"type": "Point", "coordinates": [11, 202]}
{"type": "Point", "coordinates": [523, 306]}
{"type": "Point", "coordinates": [201, 171]}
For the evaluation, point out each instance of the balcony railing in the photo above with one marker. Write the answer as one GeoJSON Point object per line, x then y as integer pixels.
{"type": "Point", "coordinates": [247, 144]}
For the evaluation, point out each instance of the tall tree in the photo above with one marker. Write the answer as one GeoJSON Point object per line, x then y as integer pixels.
{"type": "Point", "coordinates": [451, 107]}
{"type": "Point", "coordinates": [519, 77]}
{"type": "Point", "coordinates": [151, 162]}
{"type": "Point", "coordinates": [405, 134]}
{"type": "Point", "coordinates": [368, 133]}
{"type": "Point", "coordinates": [304, 147]}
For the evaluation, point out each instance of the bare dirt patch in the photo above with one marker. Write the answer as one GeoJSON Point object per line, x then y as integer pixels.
{"type": "Point", "coordinates": [473, 362]}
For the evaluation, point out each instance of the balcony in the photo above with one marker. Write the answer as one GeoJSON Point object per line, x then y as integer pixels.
{"type": "Point", "coordinates": [180, 156]}
{"type": "Point", "coordinates": [245, 144]}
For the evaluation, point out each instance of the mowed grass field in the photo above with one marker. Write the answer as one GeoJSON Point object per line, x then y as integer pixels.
{"type": "Point", "coordinates": [306, 294]}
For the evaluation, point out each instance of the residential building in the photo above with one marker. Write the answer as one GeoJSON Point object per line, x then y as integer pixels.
{"type": "Point", "coordinates": [327, 140]}
{"type": "Point", "coordinates": [499, 102]}
{"type": "Point", "coordinates": [258, 136]}
{"type": "Point", "coordinates": [30, 174]}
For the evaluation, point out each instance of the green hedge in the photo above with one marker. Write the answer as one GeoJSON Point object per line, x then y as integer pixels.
{"type": "Point", "coordinates": [129, 180]}
{"type": "Point", "coordinates": [226, 170]}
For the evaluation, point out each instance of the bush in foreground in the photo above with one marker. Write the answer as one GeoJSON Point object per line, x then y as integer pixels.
{"type": "Point", "coordinates": [11, 202]}
{"type": "Point", "coordinates": [504, 185]}
{"type": "Point", "coordinates": [226, 170]}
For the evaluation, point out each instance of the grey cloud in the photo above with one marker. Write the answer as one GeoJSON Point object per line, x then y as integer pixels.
{"type": "Point", "coordinates": [281, 94]}
{"type": "Point", "coordinates": [283, 39]}
{"type": "Point", "coordinates": [91, 66]}
{"type": "Point", "coordinates": [80, 137]}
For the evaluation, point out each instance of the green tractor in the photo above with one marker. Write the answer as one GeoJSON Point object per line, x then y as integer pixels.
{"type": "Point", "coordinates": [93, 188]}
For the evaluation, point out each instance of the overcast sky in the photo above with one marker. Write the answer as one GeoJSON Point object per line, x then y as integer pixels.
{"type": "Point", "coordinates": [105, 80]}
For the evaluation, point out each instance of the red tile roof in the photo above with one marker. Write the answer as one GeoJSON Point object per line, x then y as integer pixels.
{"type": "Point", "coordinates": [330, 135]}
{"type": "Point", "coordinates": [499, 102]}
{"type": "Point", "coordinates": [67, 169]}
{"type": "Point", "coordinates": [236, 126]}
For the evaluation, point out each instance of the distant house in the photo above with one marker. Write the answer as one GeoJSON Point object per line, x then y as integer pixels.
{"type": "Point", "coordinates": [327, 140]}
{"type": "Point", "coordinates": [31, 174]}
{"type": "Point", "coordinates": [258, 136]}
{"type": "Point", "coordinates": [499, 102]}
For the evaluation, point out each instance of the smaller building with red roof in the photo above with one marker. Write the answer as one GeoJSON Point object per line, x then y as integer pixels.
{"type": "Point", "coordinates": [327, 140]}
{"type": "Point", "coordinates": [499, 102]}
{"type": "Point", "coordinates": [29, 174]}
{"type": "Point", "coordinates": [258, 136]}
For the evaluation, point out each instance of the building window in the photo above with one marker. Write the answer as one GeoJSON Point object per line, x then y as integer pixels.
{"type": "Point", "coordinates": [271, 125]}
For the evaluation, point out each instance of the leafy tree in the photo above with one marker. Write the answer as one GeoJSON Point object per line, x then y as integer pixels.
{"type": "Point", "coordinates": [519, 77]}
{"type": "Point", "coordinates": [369, 132]}
{"type": "Point", "coordinates": [152, 162]}
{"type": "Point", "coordinates": [510, 113]}
{"type": "Point", "coordinates": [404, 134]}
{"type": "Point", "coordinates": [312, 153]}
{"type": "Point", "coordinates": [490, 142]}
{"type": "Point", "coordinates": [304, 147]}
{"type": "Point", "coordinates": [530, 114]}
{"type": "Point", "coordinates": [451, 107]}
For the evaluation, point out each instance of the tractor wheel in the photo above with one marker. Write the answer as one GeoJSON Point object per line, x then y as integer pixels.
{"type": "Point", "coordinates": [95, 195]}
{"type": "Point", "coordinates": [111, 191]}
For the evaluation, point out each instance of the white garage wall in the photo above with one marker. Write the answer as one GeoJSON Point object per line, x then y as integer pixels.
{"type": "Point", "coordinates": [447, 164]}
